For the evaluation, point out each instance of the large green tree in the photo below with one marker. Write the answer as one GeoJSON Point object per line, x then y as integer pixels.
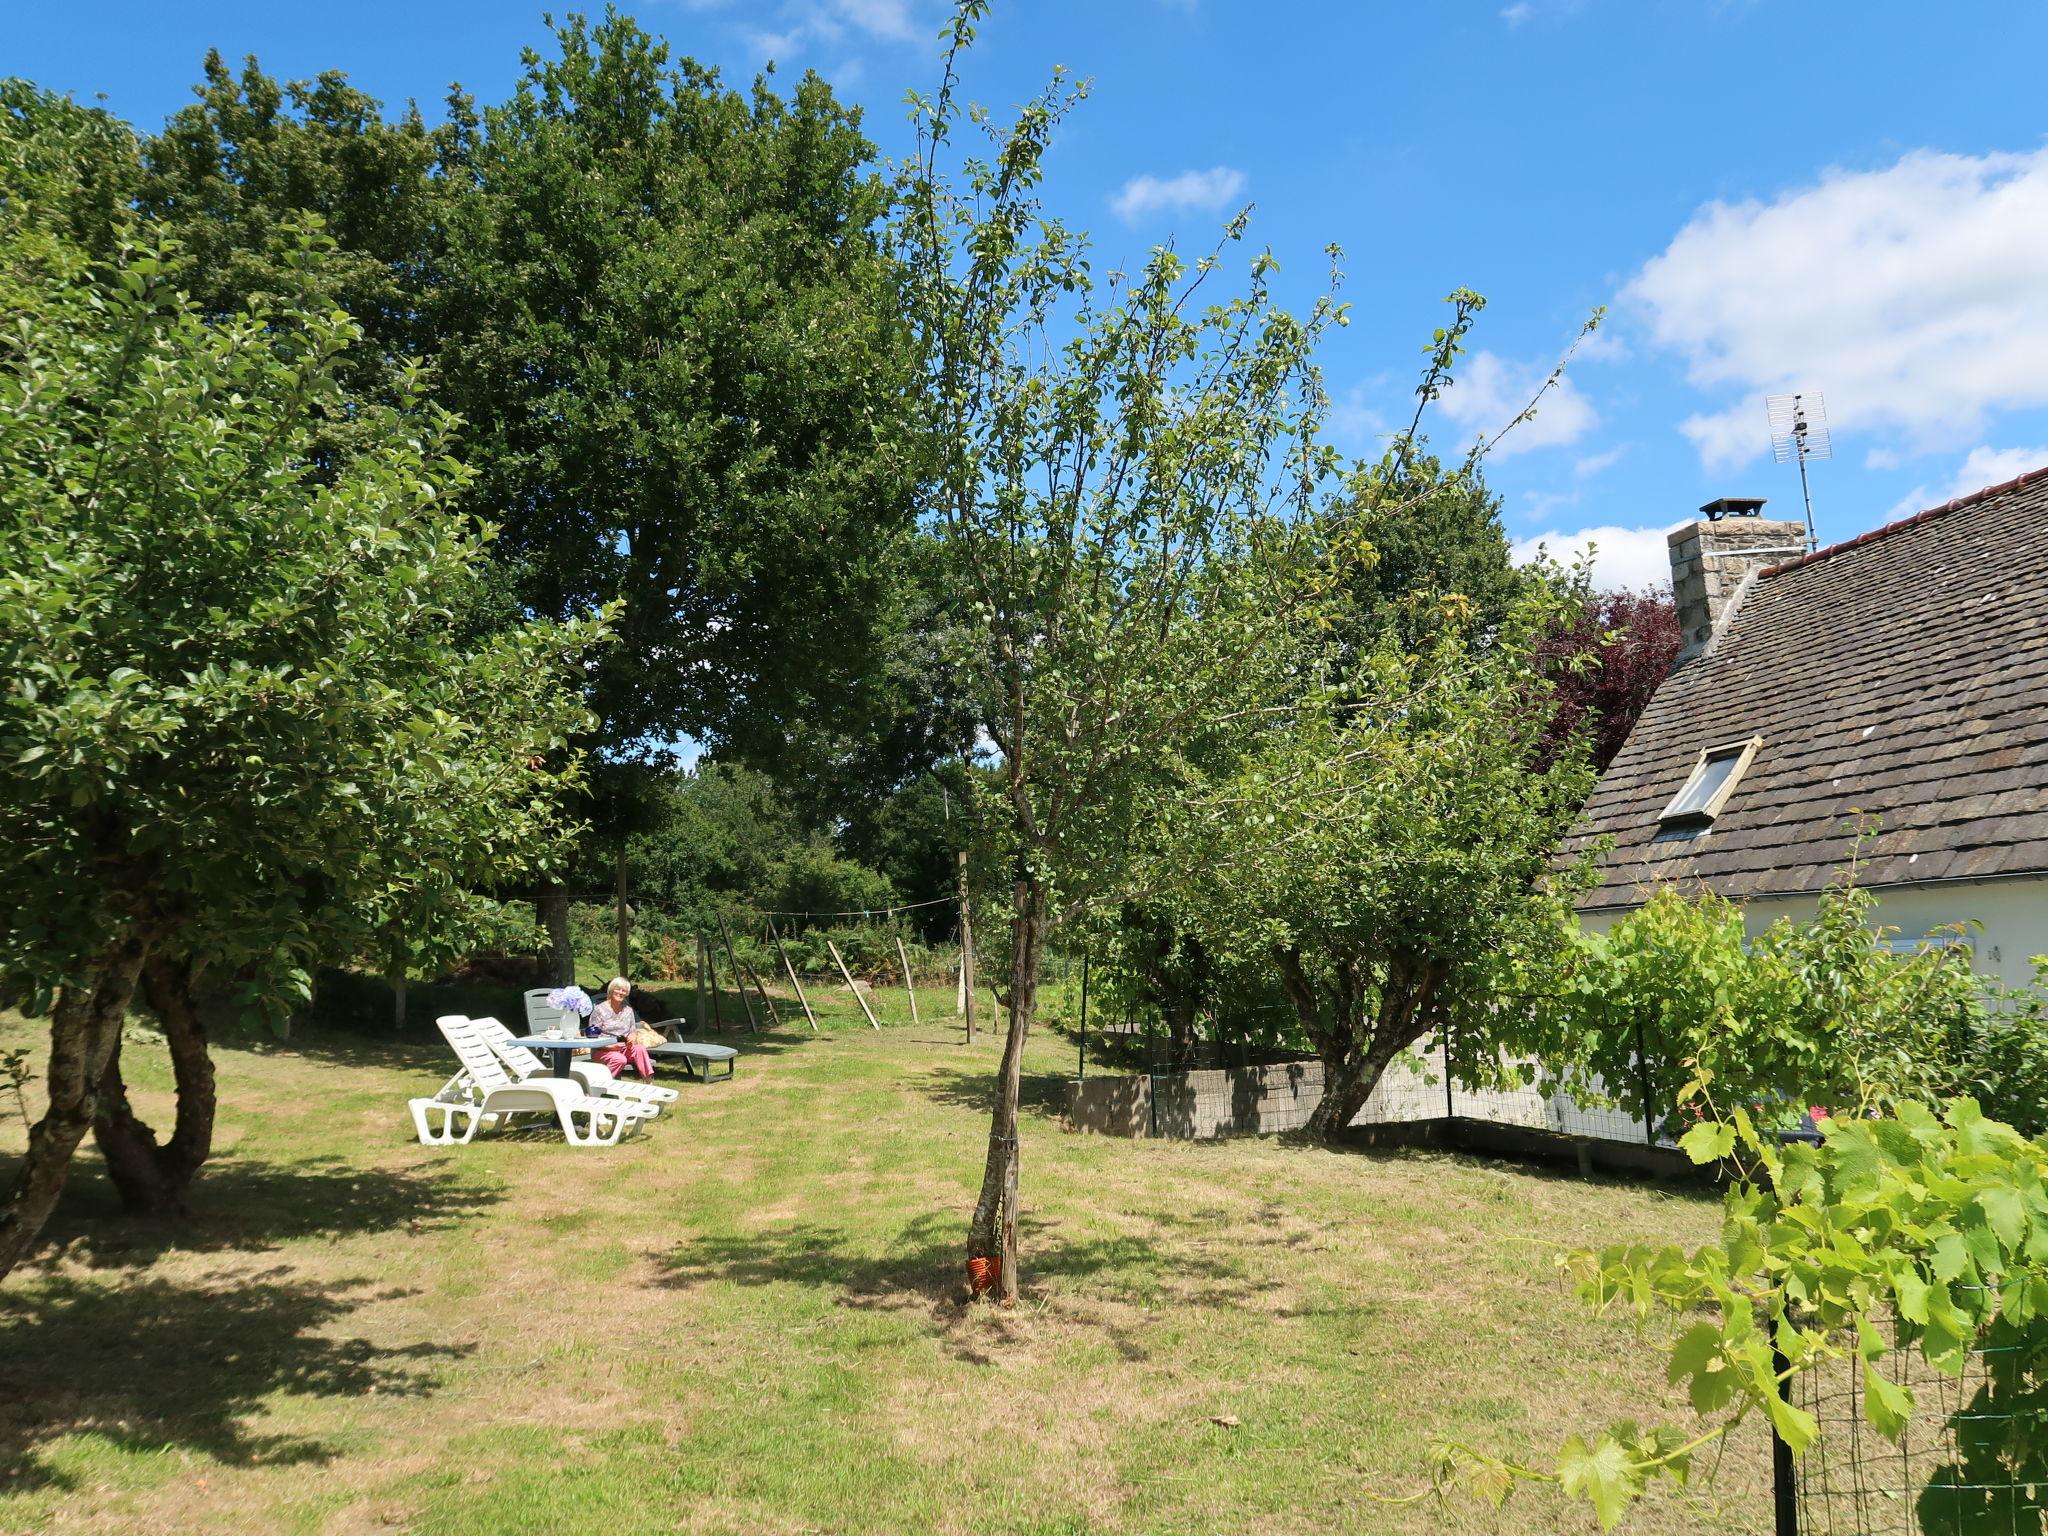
{"type": "Point", "coordinates": [676, 339]}
{"type": "Point", "coordinates": [665, 312]}
{"type": "Point", "coordinates": [239, 724]}
{"type": "Point", "coordinates": [1437, 545]}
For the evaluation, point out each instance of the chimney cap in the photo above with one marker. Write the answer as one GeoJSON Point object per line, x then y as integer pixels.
{"type": "Point", "coordinates": [1733, 506]}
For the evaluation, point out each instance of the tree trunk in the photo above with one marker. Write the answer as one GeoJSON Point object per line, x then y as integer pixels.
{"type": "Point", "coordinates": [1348, 1081]}
{"type": "Point", "coordinates": [993, 1234]}
{"type": "Point", "coordinates": [551, 910]}
{"type": "Point", "coordinates": [1181, 1003]}
{"type": "Point", "coordinates": [1355, 1055]}
{"type": "Point", "coordinates": [624, 914]}
{"type": "Point", "coordinates": [84, 1027]}
{"type": "Point", "coordinates": [154, 1180]}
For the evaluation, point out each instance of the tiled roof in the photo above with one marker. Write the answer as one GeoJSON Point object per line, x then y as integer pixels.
{"type": "Point", "coordinates": [1903, 673]}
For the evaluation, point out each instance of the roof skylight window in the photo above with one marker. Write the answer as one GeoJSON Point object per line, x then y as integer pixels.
{"type": "Point", "coordinates": [1713, 780]}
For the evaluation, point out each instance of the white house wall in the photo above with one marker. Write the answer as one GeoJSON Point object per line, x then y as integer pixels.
{"type": "Point", "coordinates": [2013, 915]}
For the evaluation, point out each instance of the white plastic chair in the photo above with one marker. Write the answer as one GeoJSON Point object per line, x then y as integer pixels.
{"type": "Point", "coordinates": [595, 1076]}
{"type": "Point", "coordinates": [484, 1091]}
{"type": "Point", "coordinates": [542, 1016]}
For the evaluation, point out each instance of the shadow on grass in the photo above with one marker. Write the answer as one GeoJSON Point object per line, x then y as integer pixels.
{"type": "Point", "coordinates": [1038, 1093]}
{"type": "Point", "coordinates": [245, 1205]}
{"type": "Point", "coordinates": [924, 1270]}
{"type": "Point", "coordinates": [150, 1366]}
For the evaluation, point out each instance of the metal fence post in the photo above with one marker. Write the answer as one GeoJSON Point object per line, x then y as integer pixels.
{"type": "Point", "coordinates": [1643, 1081]}
{"type": "Point", "coordinates": [1450, 1103]}
{"type": "Point", "coordinates": [1784, 1473]}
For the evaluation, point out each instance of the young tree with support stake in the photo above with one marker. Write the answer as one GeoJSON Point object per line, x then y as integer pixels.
{"type": "Point", "coordinates": [238, 724]}
{"type": "Point", "coordinates": [1124, 469]}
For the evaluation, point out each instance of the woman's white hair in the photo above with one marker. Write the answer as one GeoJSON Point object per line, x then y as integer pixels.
{"type": "Point", "coordinates": [618, 981]}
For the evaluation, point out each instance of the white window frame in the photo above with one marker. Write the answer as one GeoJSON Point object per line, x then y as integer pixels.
{"type": "Point", "coordinates": [1742, 751]}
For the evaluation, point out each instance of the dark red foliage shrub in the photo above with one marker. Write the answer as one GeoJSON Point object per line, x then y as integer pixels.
{"type": "Point", "coordinates": [1630, 640]}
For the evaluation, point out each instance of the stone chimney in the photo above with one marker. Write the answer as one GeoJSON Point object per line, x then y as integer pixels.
{"type": "Point", "coordinates": [1712, 560]}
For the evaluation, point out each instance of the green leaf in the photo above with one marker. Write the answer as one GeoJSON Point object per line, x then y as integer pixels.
{"type": "Point", "coordinates": [2005, 1210]}
{"type": "Point", "coordinates": [1697, 1358]}
{"type": "Point", "coordinates": [1795, 1426]}
{"type": "Point", "coordinates": [1887, 1405]}
{"type": "Point", "coordinates": [1604, 1474]}
{"type": "Point", "coordinates": [1708, 1142]}
{"type": "Point", "coordinates": [1910, 1291]}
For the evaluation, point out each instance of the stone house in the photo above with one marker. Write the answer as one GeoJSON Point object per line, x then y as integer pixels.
{"type": "Point", "coordinates": [1901, 676]}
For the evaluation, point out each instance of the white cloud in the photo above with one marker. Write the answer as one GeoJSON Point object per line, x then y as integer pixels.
{"type": "Point", "coordinates": [1518, 13]}
{"type": "Point", "coordinates": [1635, 558]}
{"type": "Point", "coordinates": [1993, 466]}
{"type": "Point", "coordinates": [1606, 345]}
{"type": "Point", "coordinates": [1191, 191]}
{"type": "Point", "coordinates": [805, 22]}
{"type": "Point", "coordinates": [1490, 391]}
{"type": "Point", "coordinates": [1593, 463]}
{"type": "Point", "coordinates": [1982, 466]}
{"type": "Point", "coordinates": [1355, 424]}
{"type": "Point", "coordinates": [1537, 505]}
{"type": "Point", "coordinates": [888, 20]}
{"type": "Point", "coordinates": [1914, 297]}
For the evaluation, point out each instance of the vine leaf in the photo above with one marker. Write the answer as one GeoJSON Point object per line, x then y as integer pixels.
{"type": "Point", "coordinates": [1887, 1405]}
{"type": "Point", "coordinates": [1795, 1426]}
{"type": "Point", "coordinates": [1697, 1355]}
{"type": "Point", "coordinates": [1708, 1142]}
{"type": "Point", "coordinates": [1603, 1473]}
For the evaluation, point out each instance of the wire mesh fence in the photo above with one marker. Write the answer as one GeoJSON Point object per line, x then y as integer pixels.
{"type": "Point", "coordinates": [1971, 1461]}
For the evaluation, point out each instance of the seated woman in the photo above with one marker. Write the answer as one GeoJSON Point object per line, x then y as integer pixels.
{"type": "Point", "coordinates": [614, 1018]}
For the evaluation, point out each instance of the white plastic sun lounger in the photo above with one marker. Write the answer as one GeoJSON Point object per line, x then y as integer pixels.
{"type": "Point", "coordinates": [595, 1076]}
{"type": "Point", "coordinates": [485, 1091]}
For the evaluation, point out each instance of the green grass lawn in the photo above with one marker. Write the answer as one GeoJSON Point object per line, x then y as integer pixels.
{"type": "Point", "coordinates": [748, 1319]}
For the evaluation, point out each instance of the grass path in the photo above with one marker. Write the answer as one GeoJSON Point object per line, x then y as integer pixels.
{"type": "Point", "coordinates": [747, 1319]}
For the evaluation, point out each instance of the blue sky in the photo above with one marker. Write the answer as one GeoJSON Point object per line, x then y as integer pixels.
{"type": "Point", "coordinates": [1836, 196]}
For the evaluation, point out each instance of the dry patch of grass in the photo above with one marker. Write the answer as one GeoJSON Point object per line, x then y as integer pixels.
{"type": "Point", "coordinates": [748, 1319]}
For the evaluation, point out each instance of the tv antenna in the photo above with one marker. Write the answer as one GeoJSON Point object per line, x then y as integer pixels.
{"type": "Point", "coordinates": [1799, 430]}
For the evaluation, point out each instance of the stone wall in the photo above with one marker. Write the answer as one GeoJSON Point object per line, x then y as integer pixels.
{"type": "Point", "coordinates": [1260, 1101]}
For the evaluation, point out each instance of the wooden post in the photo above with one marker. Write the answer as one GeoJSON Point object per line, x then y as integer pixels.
{"type": "Point", "coordinates": [703, 969]}
{"type": "Point", "coordinates": [1007, 1230]}
{"type": "Point", "coordinates": [733, 966]}
{"type": "Point", "coordinates": [791, 969]}
{"type": "Point", "coordinates": [966, 954]}
{"type": "Point", "coordinates": [1083, 1072]}
{"type": "Point", "coordinates": [909, 986]}
{"type": "Point", "coordinates": [766, 1001]}
{"type": "Point", "coordinates": [399, 958]}
{"type": "Point", "coordinates": [624, 914]}
{"type": "Point", "coordinates": [851, 985]}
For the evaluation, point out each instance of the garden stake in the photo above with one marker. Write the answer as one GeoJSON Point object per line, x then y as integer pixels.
{"type": "Point", "coordinates": [703, 969]}
{"type": "Point", "coordinates": [738, 984]}
{"type": "Point", "coordinates": [775, 934]}
{"type": "Point", "coordinates": [851, 986]}
{"type": "Point", "coordinates": [909, 990]}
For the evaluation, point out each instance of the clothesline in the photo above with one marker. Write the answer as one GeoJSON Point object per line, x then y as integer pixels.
{"type": "Point", "coordinates": [605, 898]}
{"type": "Point", "coordinates": [909, 906]}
